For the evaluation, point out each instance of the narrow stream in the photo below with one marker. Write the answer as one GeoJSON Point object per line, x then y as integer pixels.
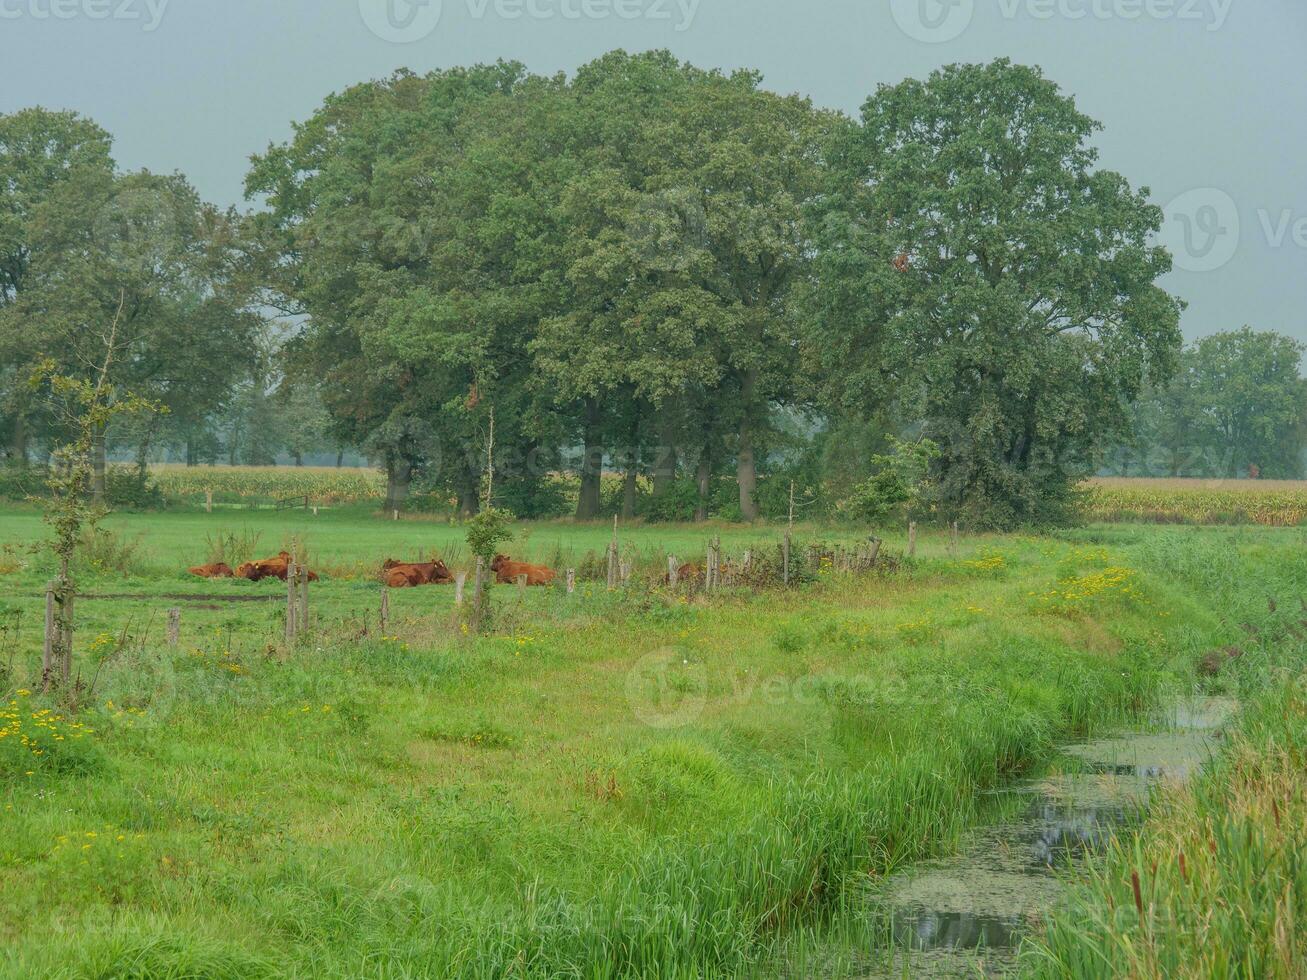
{"type": "Point", "coordinates": [965, 915]}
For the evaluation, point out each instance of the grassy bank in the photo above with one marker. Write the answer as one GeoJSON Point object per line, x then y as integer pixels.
{"type": "Point", "coordinates": [1215, 885]}
{"type": "Point", "coordinates": [611, 785]}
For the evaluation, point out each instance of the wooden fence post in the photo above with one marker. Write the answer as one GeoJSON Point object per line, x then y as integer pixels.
{"type": "Point", "coordinates": [673, 571]}
{"type": "Point", "coordinates": [785, 557]}
{"type": "Point", "coordinates": [302, 620]}
{"type": "Point", "coordinates": [385, 611]}
{"type": "Point", "coordinates": [571, 581]}
{"type": "Point", "coordinates": [460, 585]}
{"type": "Point", "coordinates": [174, 627]}
{"type": "Point", "coordinates": [208, 501]}
{"type": "Point", "coordinates": [521, 585]}
{"type": "Point", "coordinates": [626, 570]}
{"type": "Point", "coordinates": [47, 658]}
{"type": "Point", "coordinates": [953, 544]}
{"type": "Point", "coordinates": [873, 554]}
{"type": "Point", "coordinates": [66, 665]}
{"type": "Point", "coordinates": [912, 539]}
{"type": "Point", "coordinates": [478, 584]}
{"type": "Point", "coordinates": [291, 605]}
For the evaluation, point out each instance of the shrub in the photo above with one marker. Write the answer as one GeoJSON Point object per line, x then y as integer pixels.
{"type": "Point", "coordinates": [677, 503]}
{"type": "Point", "coordinates": [130, 489]}
{"type": "Point", "coordinates": [22, 482]}
{"type": "Point", "coordinates": [103, 550]}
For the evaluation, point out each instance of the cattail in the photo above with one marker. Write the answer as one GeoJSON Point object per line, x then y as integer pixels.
{"type": "Point", "coordinates": [1139, 896]}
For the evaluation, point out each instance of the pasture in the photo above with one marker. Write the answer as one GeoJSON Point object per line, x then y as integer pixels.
{"type": "Point", "coordinates": [637, 782]}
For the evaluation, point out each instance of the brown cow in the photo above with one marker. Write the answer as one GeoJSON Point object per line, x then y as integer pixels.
{"type": "Point", "coordinates": [402, 575]}
{"type": "Point", "coordinates": [686, 573]}
{"type": "Point", "coordinates": [279, 567]}
{"type": "Point", "coordinates": [508, 571]}
{"type": "Point", "coordinates": [219, 570]}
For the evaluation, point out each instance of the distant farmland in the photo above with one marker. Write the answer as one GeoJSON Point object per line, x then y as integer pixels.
{"type": "Point", "coordinates": [1275, 503]}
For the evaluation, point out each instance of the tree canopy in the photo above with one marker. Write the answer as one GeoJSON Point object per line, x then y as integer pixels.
{"type": "Point", "coordinates": [644, 267]}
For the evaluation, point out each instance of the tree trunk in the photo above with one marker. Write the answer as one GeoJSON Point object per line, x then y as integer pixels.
{"type": "Point", "coordinates": [469, 492]}
{"type": "Point", "coordinates": [399, 477]}
{"type": "Point", "coordinates": [298, 457]}
{"type": "Point", "coordinates": [630, 492]}
{"type": "Point", "coordinates": [747, 468]}
{"type": "Point", "coordinates": [665, 459]}
{"type": "Point", "coordinates": [704, 479]}
{"type": "Point", "coordinates": [592, 466]}
{"type": "Point", "coordinates": [18, 440]}
{"type": "Point", "coordinates": [340, 458]}
{"type": "Point", "coordinates": [98, 467]}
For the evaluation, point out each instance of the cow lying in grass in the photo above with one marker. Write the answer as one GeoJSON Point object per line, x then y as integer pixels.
{"type": "Point", "coordinates": [507, 572]}
{"type": "Point", "coordinates": [219, 570]}
{"type": "Point", "coordinates": [279, 567]}
{"type": "Point", "coordinates": [402, 575]}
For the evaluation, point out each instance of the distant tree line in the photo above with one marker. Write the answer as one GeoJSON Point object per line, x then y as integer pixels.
{"type": "Point", "coordinates": [645, 268]}
{"type": "Point", "coordinates": [1235, 408]}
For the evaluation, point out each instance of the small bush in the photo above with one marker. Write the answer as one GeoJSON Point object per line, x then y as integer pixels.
{"type": "Point", "coordinates": [129, 489]}
{"type": "Point", "coordinates": [104, 551]}
{"type": "Point", "coordinates": [22, 482]}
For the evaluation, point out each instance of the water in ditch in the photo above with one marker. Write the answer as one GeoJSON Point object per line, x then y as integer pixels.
{"type": "Point", "coordinates": [965, 915]}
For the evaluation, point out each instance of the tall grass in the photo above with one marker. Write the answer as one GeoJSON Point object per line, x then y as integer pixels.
{"type": "Point", "coordinates": [426, 804]}
{"type": "Point", "coordinates": [1215, 883]}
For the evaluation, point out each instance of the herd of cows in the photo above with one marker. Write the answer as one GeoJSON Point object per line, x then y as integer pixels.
{"type": "Point", "coordinates": [394, 574]}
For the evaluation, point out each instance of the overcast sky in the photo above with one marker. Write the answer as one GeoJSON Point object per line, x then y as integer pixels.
{"type": "Point", "coordinates": [1203, 101]}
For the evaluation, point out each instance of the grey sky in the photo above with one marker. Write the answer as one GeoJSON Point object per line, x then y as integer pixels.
{"type": "Point", "coordinates": [1202, 98]}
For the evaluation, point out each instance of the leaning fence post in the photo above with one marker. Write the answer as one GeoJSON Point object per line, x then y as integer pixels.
{"type": "Point", "coordinates": [66, 666]}
{"type": "Point", "coordinates": [460, 586]}
{"type": "Point", "coordinates": [47, 658]}
{"type": "Point", "coordinates": [912, 539]}
{"type": "Point", "coordinates": [874, 554]}
{"type": "Point", "coordinates": [302, 621]}
{"type": "Point", "coordinates": [571, 581]}
{"type": "Point", "coordinates": [174, 627]}
{"type": "Point", "coordinates": [290, 604]}
{"type": "Point", "coordinates": [478, 584]}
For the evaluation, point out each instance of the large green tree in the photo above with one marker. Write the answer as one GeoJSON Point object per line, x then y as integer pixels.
{"type": "Point", "coordinates": [684, 240]}
{"type": "Point", "coordinates": [44, 156]}
{"type": "Point", "coordinates": [401, 220]}
{"type": "Point", "coordinates": [976, 268]}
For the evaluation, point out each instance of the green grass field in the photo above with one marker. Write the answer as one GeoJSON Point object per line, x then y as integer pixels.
{"type": "Point", "coordinates": [638, 783]}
